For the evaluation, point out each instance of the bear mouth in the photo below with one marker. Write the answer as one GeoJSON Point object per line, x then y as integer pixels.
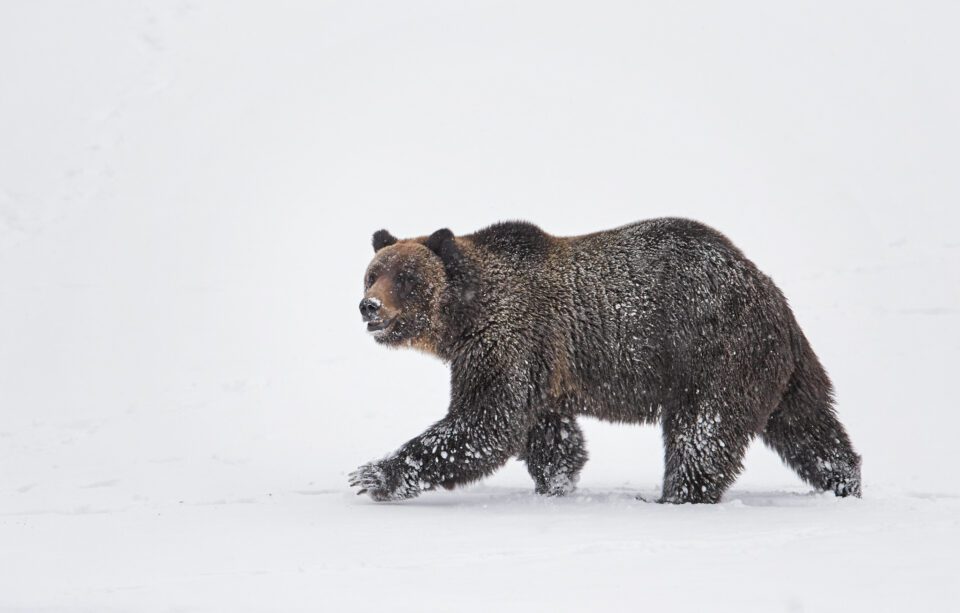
{"type": "Point", "coordinates": [379, 325]}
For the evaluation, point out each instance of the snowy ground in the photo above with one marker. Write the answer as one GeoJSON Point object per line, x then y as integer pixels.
{"type": "Point", "coordinates": [187, 192]}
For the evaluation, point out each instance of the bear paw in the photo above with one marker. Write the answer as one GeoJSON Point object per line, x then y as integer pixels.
{"type": "Point", "coordinates": [384, 481]}
{"type": "Point", "coordinates": [559, 484]}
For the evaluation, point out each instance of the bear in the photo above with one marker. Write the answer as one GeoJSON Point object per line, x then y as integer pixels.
{"type": "Point", "coordinates": [663, 321]}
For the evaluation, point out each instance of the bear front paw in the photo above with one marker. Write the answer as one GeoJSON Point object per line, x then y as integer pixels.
{"type": "Point", "coordinates": [384, 481]}
{"type": "Point", "coordinates": [556, 484]}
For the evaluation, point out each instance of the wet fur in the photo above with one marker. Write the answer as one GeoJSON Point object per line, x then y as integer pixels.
{"type": "Point", "coordinates": [662, 321]}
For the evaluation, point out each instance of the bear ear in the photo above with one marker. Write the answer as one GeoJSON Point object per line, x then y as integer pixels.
{"type": "Point", "coordinates": [440, 242]}
{"type": "Point", "coordinates": [381, 239]}
{"type": "Point", "coordinates": [454, 262]}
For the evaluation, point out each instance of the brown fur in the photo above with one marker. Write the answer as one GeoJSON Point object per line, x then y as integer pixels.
{"type": "Point", "coordinates": [661, 321]}
{"type": "Point", "coordinates": [387, 267]}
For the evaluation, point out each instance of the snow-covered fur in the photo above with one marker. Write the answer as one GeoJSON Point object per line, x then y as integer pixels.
{"type": "Point", "coordinates": [660, 321]}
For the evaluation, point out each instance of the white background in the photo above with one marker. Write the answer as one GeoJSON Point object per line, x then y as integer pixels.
{"type": "Point", "coordinates": [187, 194]}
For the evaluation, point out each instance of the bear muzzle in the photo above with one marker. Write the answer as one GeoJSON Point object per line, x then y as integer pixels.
{"type": "Point", "coordinates": [370, 308]}
{"type": "Point", "coordinates": [372, 312]}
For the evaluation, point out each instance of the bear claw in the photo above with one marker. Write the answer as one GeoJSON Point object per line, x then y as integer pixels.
{"type": "Point", "coordinates": [379, 481]}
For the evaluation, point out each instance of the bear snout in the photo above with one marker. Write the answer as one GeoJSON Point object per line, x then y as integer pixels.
{"type": "Point", "coordinates": [370, 308]}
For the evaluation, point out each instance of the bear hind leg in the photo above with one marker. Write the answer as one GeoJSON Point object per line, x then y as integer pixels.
{"type": "Point", "coordinates": [702, 456]}
{"type": "Point", "coordinates": [555, 452]}
{"type": "Point", "coordinates": [808, 437]}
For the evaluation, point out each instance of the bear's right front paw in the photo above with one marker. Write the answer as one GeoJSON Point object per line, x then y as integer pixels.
{"type": "Point", "coordinates": [382, 481]}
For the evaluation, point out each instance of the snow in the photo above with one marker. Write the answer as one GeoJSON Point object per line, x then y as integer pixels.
{"type": "Point", "coordinates": [187, 195]}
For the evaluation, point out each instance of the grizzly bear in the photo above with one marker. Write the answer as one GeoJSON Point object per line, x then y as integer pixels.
{"type": "Point", "coordinates": [662, 321]}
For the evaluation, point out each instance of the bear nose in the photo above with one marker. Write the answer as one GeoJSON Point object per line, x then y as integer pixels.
{"type": "Point", "coordinates": [369, 308]}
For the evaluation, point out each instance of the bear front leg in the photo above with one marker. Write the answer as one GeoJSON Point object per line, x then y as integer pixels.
{"type": "Point", "coordinates": [555, 453]}
{"type": "Point", "coordinates": [486, 426]}
{"type": "Point", "coordinates": [452, 452]}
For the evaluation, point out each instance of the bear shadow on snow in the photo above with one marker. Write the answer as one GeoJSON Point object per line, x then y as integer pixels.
{"type": "Point", "coordinates": [662, 321]}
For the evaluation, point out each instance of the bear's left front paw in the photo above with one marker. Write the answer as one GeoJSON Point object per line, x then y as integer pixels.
{"type": "Point", "coordinates": [382, 481]}
{"type": "Point", "coordinates": [556, 484]}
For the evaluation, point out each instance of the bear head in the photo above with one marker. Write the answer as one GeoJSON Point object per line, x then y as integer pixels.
{"type": "Point", "coordinates": [403, 286]}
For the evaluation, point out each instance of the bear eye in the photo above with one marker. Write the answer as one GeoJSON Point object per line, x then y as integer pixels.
{"type": "Point", "coordinates": [406, 283]}
{"type": "Point", "coordinates": [371, 277]}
